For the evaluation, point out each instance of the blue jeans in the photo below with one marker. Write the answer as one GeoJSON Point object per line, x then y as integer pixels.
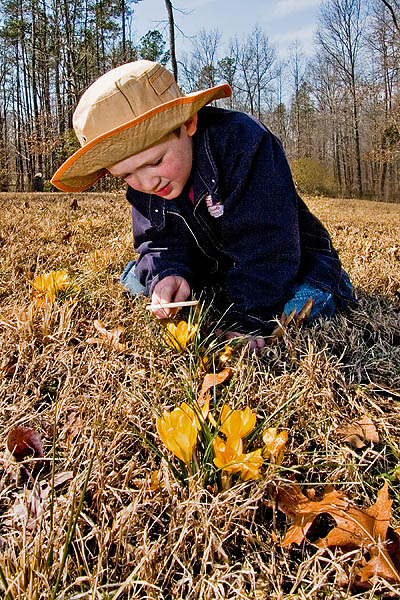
{"type": "Point", "coordinates": [324, 303]}
{"type": "Point", "coordinates": [129, 281]}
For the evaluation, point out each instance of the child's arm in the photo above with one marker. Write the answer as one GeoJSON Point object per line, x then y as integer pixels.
{"type": "Point", "coordinates": [164, 265]}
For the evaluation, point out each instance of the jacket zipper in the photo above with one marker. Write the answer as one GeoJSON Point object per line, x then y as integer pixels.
{"type": "Point", "coordinates": [172, 212]}
{"type": "Point", "coordinates": [203, 224]}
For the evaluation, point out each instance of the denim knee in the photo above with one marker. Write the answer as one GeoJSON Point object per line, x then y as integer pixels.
{"type": "Point", "coordinates": [130, 282]}
{"type": "Point", "coordinates": [324, 304]}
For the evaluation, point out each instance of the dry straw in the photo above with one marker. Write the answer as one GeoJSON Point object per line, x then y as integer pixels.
{"type": "Point", "coordinates": [136, 534]}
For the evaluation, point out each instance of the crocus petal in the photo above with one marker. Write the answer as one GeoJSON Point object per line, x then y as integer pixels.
{"type": "Point", "coordinates": [228, 454]}
{"type": "Point", "coordinates": [178, 432]}
{"type": "Point", "coordinates": [225, 356]}
{"type": "Point", "coordinates": [251, 464]}
{"type": "Point", "coordinates": [237, 423]}
{"type": "Point", "coordinates": [47, 287]}
{"type": "Point", "coordinates": [182, 330]}
{"type": "Point", "coordinates": [181, 334]}
{"type": "Point", "coordinates": [274, 444]}
{"type": "Point", "coordinates": [171, 339]}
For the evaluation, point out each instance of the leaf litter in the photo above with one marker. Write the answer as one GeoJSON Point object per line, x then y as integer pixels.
{"type": "Point", "coordinates": [355, 527]}
{"type": "Point", "coordinates": [193, 544]}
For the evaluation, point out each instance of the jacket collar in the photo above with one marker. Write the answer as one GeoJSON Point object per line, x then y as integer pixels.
{"type": "Point", "coordinates": [205, 172]}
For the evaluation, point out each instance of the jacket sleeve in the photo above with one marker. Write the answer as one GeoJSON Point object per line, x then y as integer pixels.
{"type": "Point", "coordinates": [162, 252]}
{"type": "Point", "coordinates": [260, 228]}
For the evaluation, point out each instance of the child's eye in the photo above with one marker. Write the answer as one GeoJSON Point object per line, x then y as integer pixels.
{"type": "Point", "coordinates": [156, 163]}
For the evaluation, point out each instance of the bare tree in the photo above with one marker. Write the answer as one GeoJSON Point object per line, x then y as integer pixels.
{"type": "Point", "coordinates": [340, 35]}
{"type": "Point", "coordinates": [201, 70]}
{"type": "Point", "coordinates": [331, 105]}
{"type": "Point", "coordinates": [255, 58]}
{"type": "Point", "coordinates": [296, 66]}
{"type": "Point", "coordinates": [394, 8]}
{"type": "Point", "coordinates": [171, 28]}
{"type": "Point", "coordinates": [382, 114]}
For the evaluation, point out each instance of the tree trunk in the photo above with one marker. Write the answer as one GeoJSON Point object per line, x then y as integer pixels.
{"type": "Point", "coordinates": [171, 26]}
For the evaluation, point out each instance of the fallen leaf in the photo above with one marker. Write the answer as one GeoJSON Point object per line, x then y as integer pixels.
{"type": "Point", "coordinates": [360, 431]}
{"type": "Point", "coordinates": [355, 527]}
{"type": "Point", "coordinates": [110, 338]}
{"type": "Point", "coordinates": [30, 506]}
{"type": "Point", "coordinates": [285, 320]}
{"type": "Point", "coordinates": [9, 367]}
{"type": "Point", "coordinates": [61, 478]}
{"type": "Point", "coordinates": [23, 442]}
{"type": "Point", "coordinates": [154, 481]}
{"type": "Point", "coordinates": [304, 312]}
{"type": "Point", "coordinates": [73, 427]}
{"type": "Point", "coordinates": [298, 507]}
{"type": "Point", "coordinates": [280, 329]}
{"type": "Point", "coordinates": [211, 380]}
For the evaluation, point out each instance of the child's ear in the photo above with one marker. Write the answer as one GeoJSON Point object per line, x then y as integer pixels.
{"type": "Point", "coordinates": [191, 125]}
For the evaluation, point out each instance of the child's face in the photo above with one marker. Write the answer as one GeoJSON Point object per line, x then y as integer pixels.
{"type": "Point", "coordinates": [162, 169]}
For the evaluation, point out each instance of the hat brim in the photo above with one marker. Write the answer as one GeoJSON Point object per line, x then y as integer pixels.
{"type": "Point", "coordinates": [88, 164]}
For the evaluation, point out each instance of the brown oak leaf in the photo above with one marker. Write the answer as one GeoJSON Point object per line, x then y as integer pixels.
{"type": "Point", "coordinates": [285, 320]}
{"type": "Point", "coordinates": [355, 527]}
{"type": "Point", "coordinates": [110, 338]}
{"type": "Point", "coordinates": [210, 381]}
{"type": "Point", "coordinates": [9, 367]}
{"type": "Point", "coordinates": [303, 511]}
{"type": "Point", "coordinates": [360, 431]}
{"type": "Point", "coordinates": [304, 312]}
{"type": "Point", "coordinates": [23, 442]}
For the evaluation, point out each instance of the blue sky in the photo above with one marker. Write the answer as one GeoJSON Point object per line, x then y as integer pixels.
{"type": "Point", "coordinates": [284, 21]}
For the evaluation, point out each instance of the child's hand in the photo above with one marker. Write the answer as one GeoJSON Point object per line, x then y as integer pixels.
{"type": "Point", "coordinates": [169, 289]}
{"type": "Point", "coordinates": [254, 342]}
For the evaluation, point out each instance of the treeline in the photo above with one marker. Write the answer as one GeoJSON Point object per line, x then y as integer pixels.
{"type": "Point", "coordinates": [338, 114]}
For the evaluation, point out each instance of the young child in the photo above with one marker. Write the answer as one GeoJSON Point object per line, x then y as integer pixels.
{"type": "Point", "coordinates": [213, 201]}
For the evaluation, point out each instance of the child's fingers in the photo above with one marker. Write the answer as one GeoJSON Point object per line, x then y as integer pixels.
{"type": "Point", "coordinates": [169, 290]}
{"type": "Point", "coordinates": [257, 342]}
{"type": "Point", "coordinates": [171, 307]}
{"type": "Point", "coordinates": [253, 342]}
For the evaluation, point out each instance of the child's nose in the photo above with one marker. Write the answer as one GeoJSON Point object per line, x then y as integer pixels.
{"type": "Point", "coordinates": [152, 184]}
{"type": "Point", "coordinates": [144, 183]}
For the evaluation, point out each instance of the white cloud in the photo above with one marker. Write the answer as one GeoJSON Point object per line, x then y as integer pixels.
{"type": "Point", "coordinates": [305, 36]}
{"type": "Point", "coordinates": [283, 8]}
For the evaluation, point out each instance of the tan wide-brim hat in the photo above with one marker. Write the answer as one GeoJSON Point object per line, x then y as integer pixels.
{"type": "Point", "coordinates": [124, 112]}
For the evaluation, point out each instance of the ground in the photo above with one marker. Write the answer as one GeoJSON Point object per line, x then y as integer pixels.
{"type": "Point", "coordinates": [88, 519]}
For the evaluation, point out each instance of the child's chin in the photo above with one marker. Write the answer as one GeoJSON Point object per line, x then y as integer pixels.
{"type": "Point", "coordinates": [172, 195]}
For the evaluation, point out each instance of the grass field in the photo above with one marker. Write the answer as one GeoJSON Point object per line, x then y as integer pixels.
{"type": "Point", "coordinates": [90, 519]}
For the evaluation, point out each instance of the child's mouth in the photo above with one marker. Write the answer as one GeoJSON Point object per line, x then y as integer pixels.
{"type": "Point", "coordinates": [164, 191]}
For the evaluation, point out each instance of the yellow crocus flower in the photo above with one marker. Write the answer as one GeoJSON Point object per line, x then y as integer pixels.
{"type": "Point", "coordinates": [178, 432]}
{"type": "Point", "coordinates": [251, 465]}
{"type": "Point", "coordinates": [227, 454]}
{"type": "Point", "coordinates": [274, 444]}
{"type": "Point", "coordinates": [48, 286]}
{"type": "Point", "coordinates": [225, 356]}
{"type": "Point", "coordinates": [200, 414]}
{"type": "Point", "coordinates": [237, 423]}
{"type": "Point", "coordinates": [230, 458]}
{"type": "Point", "coordinates": [180, 335]}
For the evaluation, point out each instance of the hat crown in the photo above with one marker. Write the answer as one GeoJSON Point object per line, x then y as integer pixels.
{"type": "Point", "coordinates": [121, 95]}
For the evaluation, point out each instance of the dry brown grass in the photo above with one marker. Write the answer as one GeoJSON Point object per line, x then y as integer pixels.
{"type": "Point", "coordinates": [88, 403]}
